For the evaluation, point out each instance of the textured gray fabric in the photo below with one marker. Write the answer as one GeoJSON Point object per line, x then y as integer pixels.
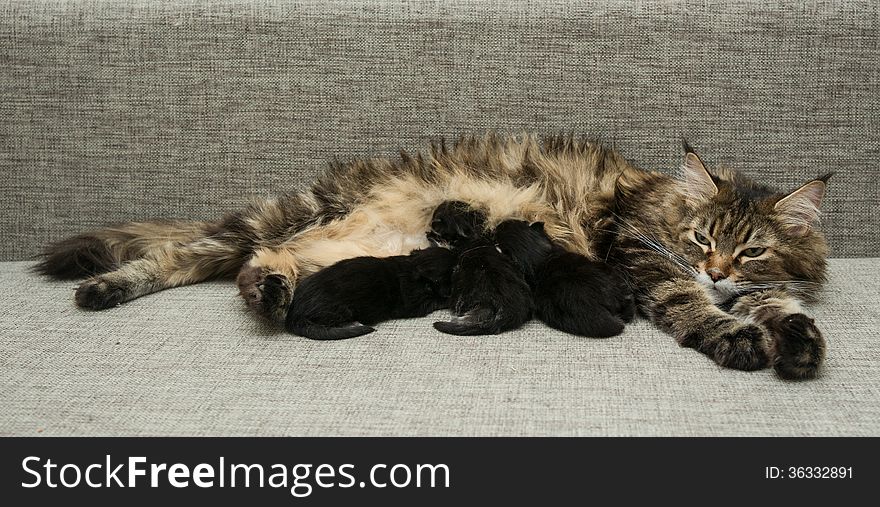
{"type": "Point", "coordinates": [114, 111]}
{"type": "Point", "coordinates": [190, 361]}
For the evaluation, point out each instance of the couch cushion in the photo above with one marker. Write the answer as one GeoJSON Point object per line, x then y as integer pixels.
{"type": "Point", "coordinates": [191, 361]}
{"type": "Point", "coordinates": [115, 111]}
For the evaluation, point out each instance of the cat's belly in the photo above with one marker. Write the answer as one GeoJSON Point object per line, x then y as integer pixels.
{"type": "Point", "coordinates": [374, 240]}
{"type": "Point", "coordinates": [395, 217]}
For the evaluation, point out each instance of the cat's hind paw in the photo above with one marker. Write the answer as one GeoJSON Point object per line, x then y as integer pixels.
{"type": "Point", "coordinates": [99, 294]}
{"type": "Point", "coordinates": [266, 294]}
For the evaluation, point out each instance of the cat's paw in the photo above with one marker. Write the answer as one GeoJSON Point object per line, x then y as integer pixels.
{"type": "Point", "coordinates": [266, 294]}
{"type": "Point", "coordinates": [99, 294]}
{"type": "Point", "coordinates": [800, 347]}
{"type": "Point", "coordinates": [742, 348]}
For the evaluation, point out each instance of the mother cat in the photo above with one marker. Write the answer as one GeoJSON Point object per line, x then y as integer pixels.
{"type": "Point", "coordinates": [718, 261]}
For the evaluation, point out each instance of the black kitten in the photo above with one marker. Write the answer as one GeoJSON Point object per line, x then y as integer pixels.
{"type": "Point", "coordinates": [489, 291]}
{"type": "Point", "coordinates": [572, 293]}
{"type": "Point", "coordinates": [583, 297]}
{"type": "Point", "coordinates": [345, 299]}
{"type": "Point", "coordinates": [455, 223]}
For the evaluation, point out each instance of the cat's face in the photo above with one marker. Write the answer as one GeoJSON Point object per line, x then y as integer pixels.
{"type": "Point", "coordinates": [739, 236]}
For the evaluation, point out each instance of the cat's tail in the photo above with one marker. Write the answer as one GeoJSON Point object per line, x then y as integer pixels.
{"type": "Point", "coordinates": [104, 250]}
{"type": "Point", "coordinates": [316, 331]}
{"type": "Point", "coordinates": [479, 321]}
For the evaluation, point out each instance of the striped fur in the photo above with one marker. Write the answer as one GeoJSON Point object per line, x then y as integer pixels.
{"type": "Point", "coordinates": [591, 200]}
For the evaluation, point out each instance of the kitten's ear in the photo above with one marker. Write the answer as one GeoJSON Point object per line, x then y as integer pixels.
{"type": "Point", "coordinates": [538, 226]}
{"type": "Point", "coordinates": [698, 181]}
{"type": "Point", "coordinates": [799, 210]}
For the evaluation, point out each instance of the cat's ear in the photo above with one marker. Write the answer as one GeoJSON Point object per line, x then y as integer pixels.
{"type": "Point", "coordinates": [699, 185]}
{"type": "Point", "coordinates": [538, 226]}
{"type": "Point", "coordinates": [799, 210]}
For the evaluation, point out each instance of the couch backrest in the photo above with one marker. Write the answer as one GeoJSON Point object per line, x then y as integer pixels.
{"type": "Point", "coordinates": [115, 111]}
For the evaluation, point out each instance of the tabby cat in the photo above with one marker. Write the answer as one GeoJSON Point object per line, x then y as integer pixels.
{"type": "Point", "coordinates": [716, 260]}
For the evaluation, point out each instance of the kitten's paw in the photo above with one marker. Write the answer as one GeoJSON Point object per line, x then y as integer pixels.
{"type": "Point", "coordinates": [800, 347]}
{"type": "Point", "coordinates": [99, 294]}
{"type": "Point", "coordinates": [266, 294]}
{"type": "Point", "coordinates": [743, 348]}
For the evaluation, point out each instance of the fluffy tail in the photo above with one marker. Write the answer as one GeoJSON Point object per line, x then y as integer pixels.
{"type": "Point", "coordinates": [106, 249]}
{"type": "Point", "coordinates": [322, 332]}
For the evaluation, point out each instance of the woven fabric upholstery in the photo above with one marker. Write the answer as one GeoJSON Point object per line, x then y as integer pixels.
{"type": "Point", "coordinates": [114, 111]}
{"type": "Point", "coordinates": [190, 361]}
{"type": "Point", "coordinates": [133, 109]}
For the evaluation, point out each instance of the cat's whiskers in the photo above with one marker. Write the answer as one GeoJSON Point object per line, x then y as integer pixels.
{"type": "Point", "coordinates": [658, 248]}
{"type": "Point", "coordinates": [792, 286]}
{"type": "Point", "coordinates": [633, 232]}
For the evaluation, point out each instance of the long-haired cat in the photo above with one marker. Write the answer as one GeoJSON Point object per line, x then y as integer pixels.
{"type": "Point", "coordinates": [716, 260]}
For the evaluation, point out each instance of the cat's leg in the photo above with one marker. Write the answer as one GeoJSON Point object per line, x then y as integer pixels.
{"type": "Point", "coordinates": [267, 280]}
{"type": "Point", "coordinates": [161, 268]}
{"type": "Point", "coordinates": [681, 307]}
{"type": "Point", "coordinates": [145, 258]}
{"type": "Point", "coordinates": [798, 347]}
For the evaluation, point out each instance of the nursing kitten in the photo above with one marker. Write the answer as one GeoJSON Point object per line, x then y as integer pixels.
{"type": "Point", "coordinates": [571, 292]}
{"type": "Point", "coordinates": [455, 223]}
{"type": "Point", "coordinates": [716, 260]}
{"type": "Point", "coordinates": [489, 294]}
{"type": "Point", "coordinates": [345, 299]}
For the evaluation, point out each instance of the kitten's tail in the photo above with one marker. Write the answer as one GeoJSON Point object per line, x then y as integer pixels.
{"type": "Point", "coordinates": [321, 332]}
{"type": "Point", "coordinates": [106, 249]}
{"type": "Point", "coordinates": [479, 321]}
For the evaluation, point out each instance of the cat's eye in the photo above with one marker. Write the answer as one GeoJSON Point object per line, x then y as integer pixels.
{"type": "Point", "coordinates": [754, 251]}
{"type": "Point", "coordinates": [703, 240]}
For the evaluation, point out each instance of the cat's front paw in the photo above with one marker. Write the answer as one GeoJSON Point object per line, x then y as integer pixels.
{"type": "Point", "coordinates": [267, 294]}
{"type": "Point", "coordinates": [800, 347]}
{"type": "Point", "coordinates": [742, 348]}
{"type": "Point", "coordinates": [99, 294]}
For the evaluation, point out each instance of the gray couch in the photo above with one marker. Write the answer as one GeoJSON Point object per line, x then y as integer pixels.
{"type": "Point", "coordinates": [114, 111]}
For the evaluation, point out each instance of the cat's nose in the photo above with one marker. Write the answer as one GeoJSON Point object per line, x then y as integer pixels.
{"type": "Point", "coordinates": [715, 274]}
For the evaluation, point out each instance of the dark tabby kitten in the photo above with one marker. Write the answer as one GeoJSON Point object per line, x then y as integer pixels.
{"type": "Point", "coordinates": [716, 260]}
{"type": "Point", "coordinates": [345, 299]}
{"type": "Point", "coordinates": [490, 293]}
{"type": "Point", "coordinates": [571, 292]}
